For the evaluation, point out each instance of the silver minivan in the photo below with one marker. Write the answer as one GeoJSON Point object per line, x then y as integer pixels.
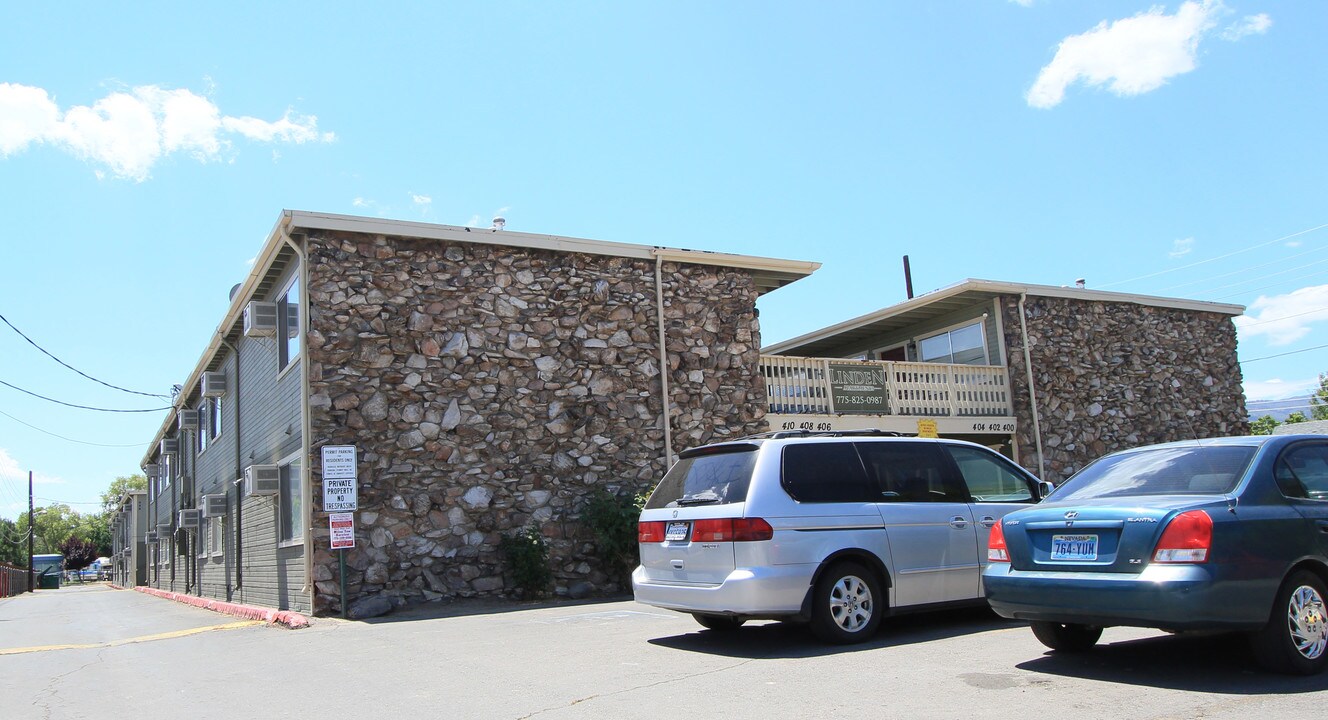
{"type": "Point", "coordinates": [834, 529]}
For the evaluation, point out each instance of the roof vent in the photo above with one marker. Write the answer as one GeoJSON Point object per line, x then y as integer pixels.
{"type": "Point", "coordinates": [1080, 283]}
{"type": "Point", "coordinates": [499, 222]}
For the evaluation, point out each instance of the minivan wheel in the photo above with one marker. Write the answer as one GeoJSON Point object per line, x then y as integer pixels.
{"type": "Point", "coordinates": [847, 604]}
{"type": "Point", "coordinates": [719, 623]}
{"type": "Point", "coordinates": [1295, 640]}
{"type": "Point", "coordinates": [1066, 637]}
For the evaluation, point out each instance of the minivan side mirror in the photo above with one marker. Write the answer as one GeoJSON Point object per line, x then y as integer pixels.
{"type": "Point", "coordinates": [1044, 489]}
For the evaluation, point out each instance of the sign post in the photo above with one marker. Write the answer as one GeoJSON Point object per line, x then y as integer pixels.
{"type": "Point", "coordinates": [340, 500]}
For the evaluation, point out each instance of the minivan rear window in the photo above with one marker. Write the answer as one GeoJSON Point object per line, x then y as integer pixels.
{"type": "Point", "coordinates": [713, 478]}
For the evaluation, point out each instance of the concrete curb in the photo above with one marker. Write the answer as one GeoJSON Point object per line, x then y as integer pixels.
{"type": "Point", "coordinates": [289, 619]}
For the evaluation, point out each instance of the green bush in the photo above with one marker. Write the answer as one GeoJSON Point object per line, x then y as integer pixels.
{"type": "Point", "coordinates": [528, 556]}
{"type": "Point", "coordinates": [612, 519]}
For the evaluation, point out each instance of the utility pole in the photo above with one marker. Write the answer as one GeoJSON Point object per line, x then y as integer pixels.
{"type": "Point", "coordinates": [32, 531]}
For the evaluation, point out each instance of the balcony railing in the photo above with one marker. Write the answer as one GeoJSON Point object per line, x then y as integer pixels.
{"type": "Point", "coordinates": [826, 386]}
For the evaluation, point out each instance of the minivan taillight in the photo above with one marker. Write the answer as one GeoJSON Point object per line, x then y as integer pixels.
{"type": "Point", "coordinates": [1187, 539]}
{"type": "Point", "coordinates": [731, 530]}
{"type": "Point", "coordinates": [650, 532]}
{"type": "Point", "coordinates": [996, 549]}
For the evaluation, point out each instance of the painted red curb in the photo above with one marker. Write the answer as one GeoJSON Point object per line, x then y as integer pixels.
{"type": "Point", "coordinates": [287, 618]}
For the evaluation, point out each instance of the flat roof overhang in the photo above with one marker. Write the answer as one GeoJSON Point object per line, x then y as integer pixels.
{"type": "Point", "coordinates": [956, 297]}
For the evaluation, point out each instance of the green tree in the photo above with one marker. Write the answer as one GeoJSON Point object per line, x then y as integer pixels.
{"type": "Point", "coordinates": [96, 529]}
{"type": "Point", "coordinates": [119, 486]}
{"type": "Point", "coordinates": [1296, 417]}
{"type": "Point", "coordinates": [1319, 400]}
{"type": "Point", "coordinates": [1263, 426]}
{"type": "Point", "coordinates": [53, 525]}
{"type": "Point", "coordinates": [13, 544]}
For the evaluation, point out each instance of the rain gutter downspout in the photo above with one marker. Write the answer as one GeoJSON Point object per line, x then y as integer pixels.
{"type": "Point", "coordinates": [663, 360]}
{"type": "Point", "coordinates": [1032, 393]}
{"type": "Point", "coordinates": [239, 490]}
{"type": "Point", "coordinates": [306, 424]}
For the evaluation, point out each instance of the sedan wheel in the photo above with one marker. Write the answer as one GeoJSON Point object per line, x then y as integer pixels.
{"type": "Point", "coordinates": [1296, 638]}
{"type": "Point", "coordinates": [845, 604]}
{"type": "Point", "coordinates": [1066, 637]}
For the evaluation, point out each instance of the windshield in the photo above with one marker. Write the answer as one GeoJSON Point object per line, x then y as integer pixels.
{"type": "Point", "coordinates": [708, 479]}
{"type": "Point", "coordinates": [1196, 470]}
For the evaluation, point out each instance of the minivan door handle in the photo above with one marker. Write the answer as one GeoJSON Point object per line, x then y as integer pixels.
{"type": "Point", "coordinates": [959, 522]}
{"type": "Point", "coordinates": [987, 521]}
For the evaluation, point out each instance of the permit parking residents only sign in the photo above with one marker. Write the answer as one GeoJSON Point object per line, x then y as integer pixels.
{"type": "Point", "coordinates": [340, 486]}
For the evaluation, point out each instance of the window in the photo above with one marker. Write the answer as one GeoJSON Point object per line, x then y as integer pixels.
{"type": "Point", "coordinates": [1197, 470]}
{"type": "Point", "coordinates": [714, 477]}
{"type": "Point", "coordinates": [203, 436]}
{"type": "Point", "coordinates": [288, 325]}
{"type": "Point", "coordinates": [167, 471]}
{"type": "Point", "coordinates": [292, 504]}
{"type": "Point", "coordinates": [824, 472]}
{"type": "Point", "coordinates": [910, 472]}
{"type": "Point", "coordinates": [1302, 472]}
{"type": "Point", "coordinates": [959, 346]}
{"type": "Point", "coordinates": [209, 422]}
{"type": "Point", "coordinates": [215, 530]}
{"type": "Point", "coordinates": [989, 477]}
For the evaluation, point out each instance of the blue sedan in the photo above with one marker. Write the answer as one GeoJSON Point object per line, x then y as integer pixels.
{"type": "Point", "coordinates": [1222, 534]}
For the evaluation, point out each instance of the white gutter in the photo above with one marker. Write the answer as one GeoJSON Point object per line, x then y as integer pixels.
{"type": "Point", "coordinates": [663, 361]}
{"type": "Point", "coordinates": [1032, 392]}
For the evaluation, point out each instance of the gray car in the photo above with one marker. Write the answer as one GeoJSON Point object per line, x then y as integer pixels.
{"type": "Point", "coordinates": [1222, 534]}
{"type": "Point", "coordinates": [837, 530]}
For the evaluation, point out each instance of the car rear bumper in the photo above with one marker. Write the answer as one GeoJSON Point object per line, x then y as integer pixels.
{"type": "Point", "coordinates": [1173, 597]}
{"type": "Point", "coordinates": [774, 591]}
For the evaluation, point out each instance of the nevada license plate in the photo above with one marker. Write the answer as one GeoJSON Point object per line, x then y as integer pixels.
{"type": "Point", "coordinates": [677, 531]}
{"type": "Point", "coordinates": [1074, 547]}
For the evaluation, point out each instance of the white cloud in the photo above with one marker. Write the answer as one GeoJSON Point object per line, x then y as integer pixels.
{"type": "Point", "coordinates": [371, 205]}
{"type": "Point", "coordinates": [1278, 389]}
{"type": "Point", "coordinates": [474, 221]}
{"type": "Point", "coordinates": [128, 132]}
{"type": "Point", "coordinates": [421, 200]}
{"type": "Point", "coordinates": [11, 472]}
{"type": "Point", "coordinates": [1285, 318]}
{"type": "Point", "coordinates": [1294, 243]}
{"type": "Point", "coordinates": [1181, 248]}
{"type": "Point", "coordinates": [1023, 3]}
{"type": "Point", "coordinates": [1130, 56]}
{"type": "Point", "coordinates": [1248, 25]}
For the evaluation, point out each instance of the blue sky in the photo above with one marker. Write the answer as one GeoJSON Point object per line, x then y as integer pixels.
{"type": "Point", "coordinates": [1173, 149]}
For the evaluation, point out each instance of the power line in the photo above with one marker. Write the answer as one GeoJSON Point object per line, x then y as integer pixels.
{"type": "Point", "coordinates": [1284, 317]}
{"type": "Point", "coordinates": [1276, 284]}
{"type": "Point", "coordinates": [80, 407]}
{"type": "Point", "coordinates": [1244, 270]}
{"type": "Point", "coordinates": [71, 367]}
{"type": "Point", "coordinates": [1293, 352]}
{"type": "Point", "coordinates": [1269, 275]}
{"type": "Point", "coordinates": [1213, 259]}
{"type": "Point", "coordinates": [62, 437]}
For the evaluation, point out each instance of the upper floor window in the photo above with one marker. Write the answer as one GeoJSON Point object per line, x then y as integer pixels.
{"type": "Point", "coordinates": [288, 325]}
{"type": "Point", "coordinates": [959, 346]}
{"type": "Point", "coordinates": [291, 504]}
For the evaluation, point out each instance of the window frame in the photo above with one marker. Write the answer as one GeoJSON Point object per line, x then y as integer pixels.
{"type": "Point", "coordinates": [980, 321]}
{"type": "Point", "coordinates": [285, 517]}
{"type": "Point", "coordinates": [999, 461]}
{"type": "Point", "coordinates": [285, 360]}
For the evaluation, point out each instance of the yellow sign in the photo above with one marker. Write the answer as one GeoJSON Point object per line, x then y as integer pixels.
{"type": "Point", "coordinates": [927, 429]}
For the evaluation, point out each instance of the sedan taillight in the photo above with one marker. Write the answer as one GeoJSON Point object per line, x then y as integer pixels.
{"type": "Point", "coordinates": [1187, 539]}
{"type": "Point", "coordinates": [996, 549]}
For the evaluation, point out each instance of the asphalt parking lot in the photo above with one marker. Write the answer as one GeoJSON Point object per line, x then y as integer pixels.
{"type": "Point", "coordinates": [95, 652]}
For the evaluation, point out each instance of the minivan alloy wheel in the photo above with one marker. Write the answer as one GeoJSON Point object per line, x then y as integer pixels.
{"type": "Point", "coordinates": [851, 603]}
{"type": "Point", "coordinates": [846, 603]}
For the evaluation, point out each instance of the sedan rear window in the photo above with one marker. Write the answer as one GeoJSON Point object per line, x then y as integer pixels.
{"type": "Point", "coordinates": [1197, 470]}
{"type": "Point", "coordinates": [714, 478]}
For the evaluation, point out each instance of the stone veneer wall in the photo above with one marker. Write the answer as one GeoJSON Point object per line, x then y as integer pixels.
{"type": "Point", "coordinates": [487, 387]}
{"type": "Point", "coordinates": [1111, 376]}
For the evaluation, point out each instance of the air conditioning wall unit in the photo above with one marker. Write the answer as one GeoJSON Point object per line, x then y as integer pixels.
{"type": "Point", "coordinates": [163, 529]}
{"type": "Point", "coordinates": [262, 480]}
{"type": "Point", "coordinates": [212, 384]}
{"type": "Point", "coordinates": [169, 446]}
{"type": "Point", "coordinates": [215, 505]}
{"type": "Point", "coordinates": [150, 536]}
{"type": "Point", "coordinates": [187, 419]}
{"type": "Point", "coordinates": [151, 470]}
{"type": "Point", "coordinates": [188, 518]}
{"type": "Point", "coordinates": [260, 318]}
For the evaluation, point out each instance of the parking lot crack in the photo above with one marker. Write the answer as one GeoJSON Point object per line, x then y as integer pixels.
{"type": "Point", "coordinates": [658, 683]}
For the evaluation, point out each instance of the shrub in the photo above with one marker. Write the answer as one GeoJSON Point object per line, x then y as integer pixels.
{"type": "Point", "coordinates": [528, 556]}
{"type": "Point", "coordinates": [612, 519]}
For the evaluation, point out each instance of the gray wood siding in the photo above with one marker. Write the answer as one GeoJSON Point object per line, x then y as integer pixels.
{"type": "Point", "coordinates": [995, 352]}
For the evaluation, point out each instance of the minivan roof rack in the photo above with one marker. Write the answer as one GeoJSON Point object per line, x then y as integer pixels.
{"type": "Point", "coordinates": [869, 432]}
